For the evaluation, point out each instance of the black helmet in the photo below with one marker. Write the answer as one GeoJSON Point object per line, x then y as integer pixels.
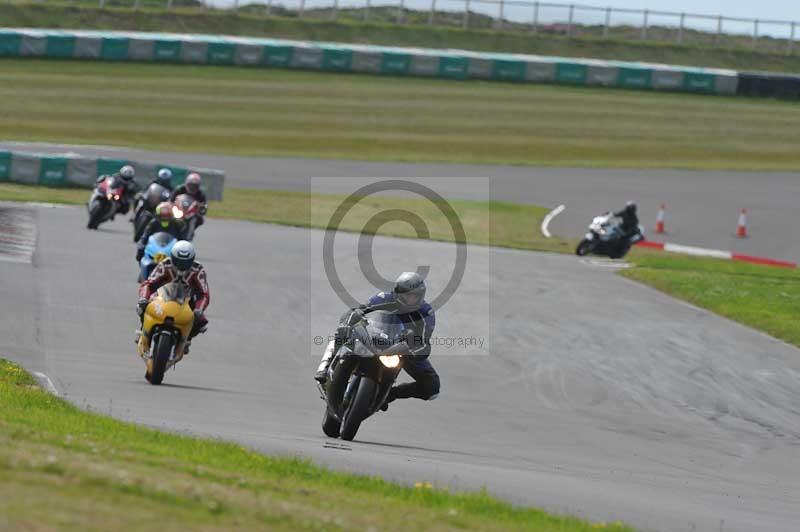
{"type": "Point", "coordinates": [409, 291]}
{"type": "Point", "coordinates": [182, 256]}
{"type": "Point", "coordinates": [127, 173]}
{"type": "Point", "coordinates": [164, 178]}
{"type": "Point", "coordinates": [630, 207]}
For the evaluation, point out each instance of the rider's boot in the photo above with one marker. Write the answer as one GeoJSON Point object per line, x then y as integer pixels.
{"type": "Point", "coordinates": [322, 370]}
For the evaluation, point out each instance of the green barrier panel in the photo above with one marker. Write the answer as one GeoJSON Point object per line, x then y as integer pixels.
{"type": "Point", "coordinates": [5, 165]}
{"type": "Point", "coordinates": [109, 166]}
{"type": "Point", "coordinates": [278, 56]}
{"type": "Point", "coordinates": [60, 46]}
{"type": "Point", "coordinates": [508, 70]}
{"type": "Point", "coordinates": [571, 73]}
{"type": "Point", "coordinates": [53, 172]}
{"type": "Point", "coordinates": [178, 173]}
{"type": "Point", "coordinates": [335, 59]}
{"type": "Point", "coordinates": [699, 82]}
{"type": "Point", "coordinates": [454, 67]}
{"type": "Point", "coordinates": [634, 78]}
{"type": "Point", "coordinates": [221, 53]}
{"type": "Point", "coordinates": [10, 43]}
{"type": "Point", "coordinates": [114, 49]}
{"type": "Point", "coordinates": [167, 51]}
{"type": "Point", "coordinates": [394, 63]}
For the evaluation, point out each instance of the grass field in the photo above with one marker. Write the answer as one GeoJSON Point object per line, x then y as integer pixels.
{"type": "Point", "coordinates": [65, 469]}
{"type": "Point", "coordinates": [759, 296]}
{"type": "Point", "coordinates": [734, 51]}
{"type": "Point", "coordinates": [243, 111]}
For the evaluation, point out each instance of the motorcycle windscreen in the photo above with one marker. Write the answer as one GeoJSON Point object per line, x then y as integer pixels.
{"type": "Point", "coordinates": [161, 239]}
{"type": "Point", "coordinates": [174, 291]}
{"type": "Point", "coordinates": [384, 329]}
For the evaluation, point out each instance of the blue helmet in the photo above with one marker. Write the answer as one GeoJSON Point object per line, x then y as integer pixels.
{"type": "Point", "coordinates": [164, 177]}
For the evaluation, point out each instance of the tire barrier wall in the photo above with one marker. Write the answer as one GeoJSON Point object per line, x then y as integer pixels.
{"type": "Point", "coordinates": [770, 85]}
{"type": "Point", "coordinates": [70, 170]}
{"type": "Point", "coordinates": [335, 57]}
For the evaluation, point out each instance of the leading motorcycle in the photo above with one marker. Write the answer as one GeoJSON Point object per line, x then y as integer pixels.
{"type": "Point", "coordinates": [105, 201]}
{"type": "Point", "coordinates": [167, 322]}
{"type": "Point", "coordinates": [362, 371]}
{"type": "Point", "coordinates": [607, 239]}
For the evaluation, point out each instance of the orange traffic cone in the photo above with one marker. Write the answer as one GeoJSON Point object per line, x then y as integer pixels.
{"type": "Point", "coordinates": [660, 219]}
{"type": "Point", "coordinates": [741, 228]}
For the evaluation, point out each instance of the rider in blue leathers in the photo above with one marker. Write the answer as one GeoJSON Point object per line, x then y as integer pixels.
{"type": "Point", "coordinates": [407, 301]}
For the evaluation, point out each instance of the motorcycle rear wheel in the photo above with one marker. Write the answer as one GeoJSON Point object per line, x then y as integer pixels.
{"type": "Point", "coordinates": [358, 409]}
{"type": "Point", "coordinates": [584, 248]}
{"type": "Point", "coordinates": [161, 352]}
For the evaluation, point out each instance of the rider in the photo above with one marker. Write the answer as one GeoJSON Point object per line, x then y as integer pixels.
{"type": "Point", "coordinates": [180, 266]}
{"type": "Point", "coordinates": [164, 222]}
{"type": "Point", "coordinates": [407, 301]}
{"type": "Point", "coordinates": [630, 222]}
{"type": "Point", "coordinates": [126, 175]}
{"type": "Point", "coordinates": [163, 178]}
{"type": "Point", "coordinates": [191, 186]}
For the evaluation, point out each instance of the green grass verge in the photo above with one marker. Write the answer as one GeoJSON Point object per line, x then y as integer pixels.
{"type": "Point", "coordinates": [241, 111]}
{"type": "Point", "coordinates": [762, 297]}
{"type": "Point", "coordinates": [65, 469]}
{"type": "Point", "coordinates": [734, 52]}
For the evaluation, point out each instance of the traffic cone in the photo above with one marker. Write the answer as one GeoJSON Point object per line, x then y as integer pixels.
{"type": "Point", "coordinates": [660, 219]}
{"type": "Point", "coordinates": [741, 228]}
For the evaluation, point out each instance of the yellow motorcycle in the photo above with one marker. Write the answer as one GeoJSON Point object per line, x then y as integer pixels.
{"type": "Point", "coordinates": [168, 320]}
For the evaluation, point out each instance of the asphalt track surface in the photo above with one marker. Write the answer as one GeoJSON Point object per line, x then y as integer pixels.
{"type": "Point", "coordinates": [702, 207]}
{"type": "Point", "coordinates": [595, 396]}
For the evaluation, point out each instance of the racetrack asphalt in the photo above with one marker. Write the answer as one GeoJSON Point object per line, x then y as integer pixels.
{"type": "Point", "coordinates": [702, 206]}
{"type": "Point", "coordinates": [596, 396]}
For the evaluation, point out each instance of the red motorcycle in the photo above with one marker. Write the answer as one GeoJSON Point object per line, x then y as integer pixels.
{"type": "Point", "coordinates": [188, 211]}
{"type": "Point", "coordinates": [105, 201]}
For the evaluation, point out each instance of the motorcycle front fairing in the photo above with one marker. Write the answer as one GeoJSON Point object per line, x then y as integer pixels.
{"type": "Point", "coordinates": [159, 247]}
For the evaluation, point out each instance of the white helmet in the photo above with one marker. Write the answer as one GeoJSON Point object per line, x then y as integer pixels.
{"type": "Point", "coordinates": [409, 291]}
{"type": "Point", "coordinates": [127, 172]}
{"type": "Point", "coordinates": [182, 256]}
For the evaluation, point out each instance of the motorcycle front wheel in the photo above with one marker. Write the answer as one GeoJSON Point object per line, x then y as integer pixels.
{"type": "Point", "coordinates": [584, 248]}
{"type": "Point", "coordinates": [161, 353]}
{"type": "Point", "coordinates": [95, 214]}
{"type": "Point", "coordinates": [358, 410]}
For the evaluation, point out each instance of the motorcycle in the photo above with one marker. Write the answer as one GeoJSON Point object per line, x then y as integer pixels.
{"type": "Point", "coordinates": [105, 201]}
{"type": "Point", "coordinates": [605, 238]}
{"type": "Point", "coordinates": [158, 248]}
{"type": "Point", "coordinates": [168, 320]}
{"type": "Point", "coordinates": [362, 372]}
{"type": "Point", "coordinates": [187, 210]}
{"type": "Point", "coordinates": [145, 209]}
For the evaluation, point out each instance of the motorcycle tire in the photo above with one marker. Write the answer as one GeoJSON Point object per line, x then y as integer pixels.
{"type": "Point", "coordinates": [330, 425]}
{"type": "Point", "coordinates": [95, 215]}
{"type": "Point", "coordinates": [161, 352]}
{"type": "Point", "coordinates": [584, 248]}
{"type": "Point", "coordinates": [358, 410]}
{"type": "Point", "coordinates": [139, 224]}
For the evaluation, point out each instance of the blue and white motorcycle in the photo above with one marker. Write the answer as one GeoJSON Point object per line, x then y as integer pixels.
{"type": "Point", "coordinates": [606, 238]}
{"type": "Point", "coordinates": [158, 248]}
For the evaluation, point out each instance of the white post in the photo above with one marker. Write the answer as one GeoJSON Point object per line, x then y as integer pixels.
{"type": "Point", "coordinates": [235, 5]}
{"type": "Point", "coordinates": [502, 14]}
{"type": "Point", "coordinates": [680, 28]}
{"type": "Point", "coordinates": [644, 24]}
{"type": "Point", "coordinates": [755, 31]}
{"type": "Point", "coordinates": [432, 13]}
{"type": "Point", "coordinates": [465, 22]}
{"type": "Point", "coordinates": [269, 7]}
{"type": "Point", "coordinates": [719, 29]}
{"type": "Point", "coordinates": [569, 23]}
{"type": "Point", "coordinates": [302, 9]}
{"type": "Point", "coordinates": [401, 12]}
{"type": "Point", "coordinates": [366, 11]}
{"type": "Point", "coordinates": [535, 25]}
{"type": "Point", "coordinates": [334, 11]}
{"type": "Point", "coordinates": [791, 39]}
{"type": "Point", "coordinates": [607, 24]}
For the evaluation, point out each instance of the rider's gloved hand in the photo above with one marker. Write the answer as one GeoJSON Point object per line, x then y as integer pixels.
{"type": "Point", "coordinates": [140, 306]}
{"type": "Point", "coordinates": [139, 254]}
{"type": "Point", "coordinates": [353, 317]}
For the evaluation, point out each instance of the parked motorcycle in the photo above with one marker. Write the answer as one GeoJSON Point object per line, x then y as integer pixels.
{"type": "Point", "coordinates": [105, 201]}
{"type": "Point", "coordinates": [362, 372]}
{"type": "Point", "coordinates": [158, 248]}
{"type": "Point", "coordinates": [168, 320]}
{"type": "Point", "coordinates": [605, 238]}
{"type": "Point", "coordinates": [145, 208]}
{"type": "Point", "coordinates": [187, 211]}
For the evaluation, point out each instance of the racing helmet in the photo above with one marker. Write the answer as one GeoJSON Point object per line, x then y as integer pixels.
{"type": "Point", "coordinates": [182, 256]}
{"type": "Point", "coordinates": [164, 213]}
{"type": "Point", "coordinates": [409, 291]}
{"type": "Point", "coordinates": [127, 173]}
{"type": "Point", "coordinates": [630, 207]}
{"type": "Point", "coordinates": [164, 177]}
{"type": "Point", "coordinates": [193, 181]}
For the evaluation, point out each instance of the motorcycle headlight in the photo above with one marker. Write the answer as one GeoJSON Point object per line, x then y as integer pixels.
{"type": "Point", "coordinates": [110, 196]}
{"type": "Point", "coordinates": [177, 213]}
{"type": "Point", "coordinates": [116, 197]}
{"type": "Point", "coordinates": [390, 361]}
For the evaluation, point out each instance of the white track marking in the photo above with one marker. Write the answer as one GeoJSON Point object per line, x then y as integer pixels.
{"type": "Point", "coordinates": [46, 381]}
{"type": "Point", "coordinates": [549, 218]}
{"type": "Point", "coordinates": [702, 252]}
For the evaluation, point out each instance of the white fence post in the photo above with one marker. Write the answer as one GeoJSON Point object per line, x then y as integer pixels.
{"type": "Point", "coordinates": [401, 12]}
{"type": "Point", "coordinates": [465, 22]}
{"type": "Point", "coordinates": [718, 37]}
{"type": "Point", "coordinates": [644, 24]}
{"type": "Point", "coordinates": [366, 11]}
{"type": "Point", "coordinates": [235, 5]}
{"type": "Point", "coordinates": [755, 31]}
{"type": "Point", "coordinates": [607, 24]}
{"type": "Point", "coordinates": [502, 14]}
{"type": "Point", "coordinates": [535, 25]}
{"type": "Point", "coordinates": [680, 28]}
{"type": "Point", "coordinates": [791, 39]}
{"type": "Point", "coordinates": [269, 7]}
{"type": "Point", "coordinates": [302, 9]}
{"type": "Point", "coordinates": [569, 22]}
{"type": "Point", "coordinates": [432, 13]}
{"type": "Point", "coordinates": [335, 10]}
